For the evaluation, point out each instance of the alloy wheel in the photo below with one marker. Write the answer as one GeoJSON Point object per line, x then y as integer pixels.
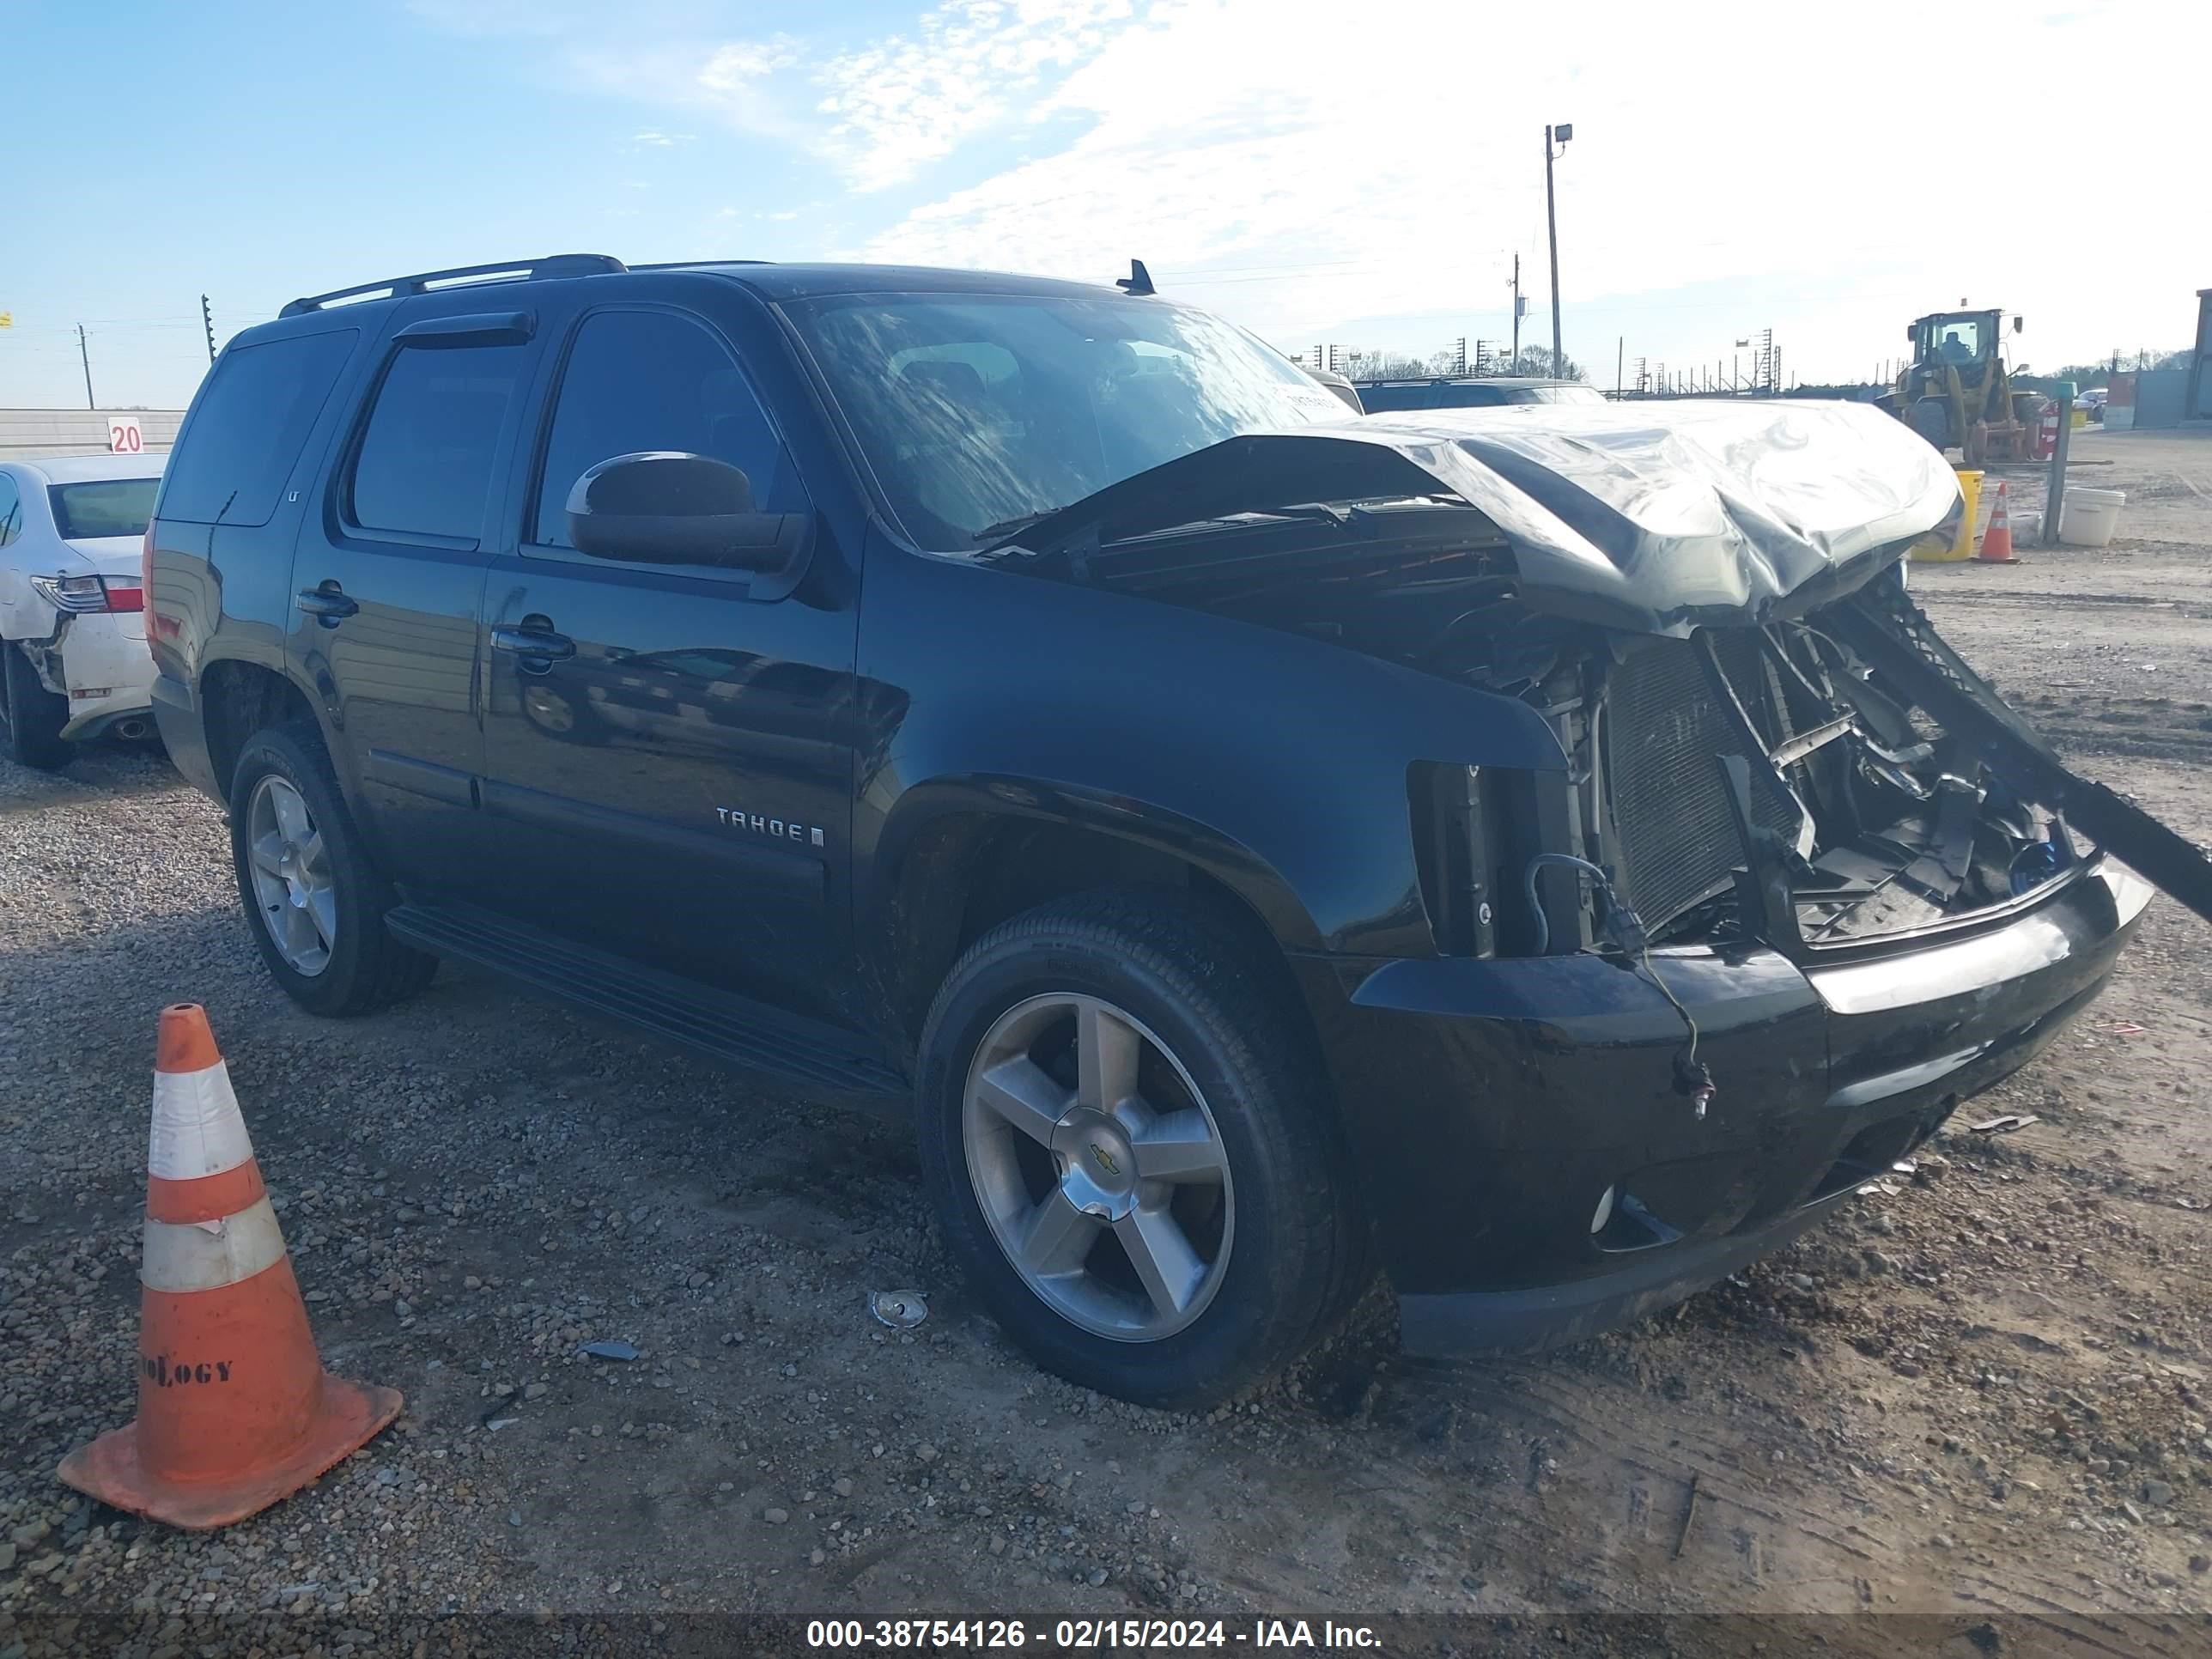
{"type": "Point", "coordinates": [293, 885]}
{"type": "Point", "coordinates": [1098, 1166]}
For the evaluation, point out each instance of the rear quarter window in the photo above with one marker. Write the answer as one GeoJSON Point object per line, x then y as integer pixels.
{"type": "Point", "coordinates": [247, 426]}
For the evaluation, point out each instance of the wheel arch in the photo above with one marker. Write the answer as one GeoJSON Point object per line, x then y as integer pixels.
{"type": "Point", "coordinates": [238, 696]}
{"type": "Point", "coordinates": [961, 855]}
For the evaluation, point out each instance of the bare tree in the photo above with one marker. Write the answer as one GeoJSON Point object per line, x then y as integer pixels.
{"type": "Point", "coordinates": [1394, 366]}
{"type": "Point", "coordinates": [1535, 363]}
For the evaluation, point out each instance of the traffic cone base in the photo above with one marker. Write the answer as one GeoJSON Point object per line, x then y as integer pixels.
{"type": "Point", "coordinates": [235, 1409]}
{"type": "Point", "coordinates": [346, 1417]}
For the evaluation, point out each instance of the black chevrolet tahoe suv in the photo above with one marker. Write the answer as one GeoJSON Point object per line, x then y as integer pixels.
{"type": "Point", "coordinates": [1540, 853]}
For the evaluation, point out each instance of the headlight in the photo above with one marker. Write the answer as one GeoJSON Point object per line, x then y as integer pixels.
{"type": "Point", "coordinates": [79, 594]}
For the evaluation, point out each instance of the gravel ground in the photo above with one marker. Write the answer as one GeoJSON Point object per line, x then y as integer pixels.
{"type": "Point", "coordinates": [1979, 1398]}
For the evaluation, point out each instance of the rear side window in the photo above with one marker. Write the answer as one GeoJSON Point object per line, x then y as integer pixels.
{"type": "Point", "coordinates": [246, 428]}
{"type": "Point", "coordinates": [649, 379]}
{"type": "Point", "coordinates": [425, 463]}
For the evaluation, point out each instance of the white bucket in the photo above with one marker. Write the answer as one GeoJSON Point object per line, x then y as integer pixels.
{"type": "Point", "coordinates": [2087, 518]}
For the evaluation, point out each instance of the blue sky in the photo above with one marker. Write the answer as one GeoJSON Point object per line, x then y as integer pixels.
{"type": "Point", "coordinates": [1357, 173]}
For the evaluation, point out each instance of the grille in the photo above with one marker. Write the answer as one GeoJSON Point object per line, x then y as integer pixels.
{"type": "Point", "coordinates": [1673, 839]}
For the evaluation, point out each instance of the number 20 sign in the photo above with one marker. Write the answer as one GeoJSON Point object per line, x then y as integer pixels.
{"type": "Point", "coordinates": [123, 437]}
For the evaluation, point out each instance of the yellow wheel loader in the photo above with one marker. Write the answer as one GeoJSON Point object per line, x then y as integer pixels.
{"type": "Point", "coordinates": [1956, 392]}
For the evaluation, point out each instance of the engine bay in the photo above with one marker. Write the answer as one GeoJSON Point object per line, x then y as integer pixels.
{"type": "Point", "coordinates": [1765, 781]}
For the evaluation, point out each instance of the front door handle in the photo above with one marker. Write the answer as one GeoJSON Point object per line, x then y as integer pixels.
{"type": "Point", "coordinates": [328, 603]}
{"type": "Point", "coordinates": [528, 642]}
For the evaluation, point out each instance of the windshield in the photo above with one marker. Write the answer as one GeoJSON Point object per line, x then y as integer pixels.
{"type": "Point", "coordinates": [106, 506]}
{"type": "Point", "coordinates": [1958, 340]}
{"type": "Point", "coordinates": [978, 412]}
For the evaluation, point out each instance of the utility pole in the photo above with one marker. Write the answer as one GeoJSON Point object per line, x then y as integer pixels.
{"type": "Point", "coordinates": [1518, 308]}
{"type": "Point", "coordinates": [85, 357]}
{"type": "Point", "coordinates": [1619, 362]}
{"type": "Point", "coordinates": [1558, 135]}
{"type": "Point", "coordinates": [207, 320]}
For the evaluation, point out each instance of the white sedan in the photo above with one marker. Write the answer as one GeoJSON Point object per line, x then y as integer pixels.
{"type": "Point", "coordinates": [73, 661]}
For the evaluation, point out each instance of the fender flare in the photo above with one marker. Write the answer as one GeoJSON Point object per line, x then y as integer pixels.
{"type": "Point", "coordinates": [1142, 823]}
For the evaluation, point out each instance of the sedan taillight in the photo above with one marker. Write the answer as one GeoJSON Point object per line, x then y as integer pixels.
{"type": "Point", "coordinates": [81, 594]}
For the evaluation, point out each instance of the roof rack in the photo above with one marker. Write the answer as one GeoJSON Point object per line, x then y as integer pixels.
{"type": "Point", "coordinates": [524, 270]}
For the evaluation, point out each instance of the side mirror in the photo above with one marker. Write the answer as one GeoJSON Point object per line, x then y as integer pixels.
{"type": "Point", "coordinates": [1910, 332]}
{"type": "Point", "coordinates": [2018, 324]}
{"type": "Point", "coordinates": [665, 506]}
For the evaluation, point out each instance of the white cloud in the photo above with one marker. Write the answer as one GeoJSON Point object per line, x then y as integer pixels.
{"type": "Point", "coordinates": [900, 103]}
{"type": "Point", "coordinates": [732, 67]}
{"type": "Point", "coordinates": [876, 112]}
{"type": "Point", "coordinates": [1366, 173]}
{"type": "Point", "coordinates": [1305, 170]}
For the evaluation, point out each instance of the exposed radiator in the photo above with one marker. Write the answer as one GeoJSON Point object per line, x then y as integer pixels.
{"type": "Point", "coordinates": [1672, 837]}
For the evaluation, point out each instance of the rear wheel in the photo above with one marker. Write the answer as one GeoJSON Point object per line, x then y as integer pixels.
{"type": "Point", "coordinates": [1125, 1130]}
{"type": "Point", "coordinates": [314, 901]}
{"type": "Point", "coordinates": [31, 717]}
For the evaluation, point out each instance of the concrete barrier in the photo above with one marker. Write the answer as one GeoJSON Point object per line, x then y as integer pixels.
{"type": "Point", "coordinates": [26, 434]}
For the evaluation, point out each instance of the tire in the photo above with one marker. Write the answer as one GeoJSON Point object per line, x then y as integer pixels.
{"type": "Point", "coordinates": [1276, 1250]}
{"type": "Point", "coordinates": [31, 717]}
{"type": "Point", "coordinates": [1931, 418]}
{"type": "Point", "coordinates": [362, 968]}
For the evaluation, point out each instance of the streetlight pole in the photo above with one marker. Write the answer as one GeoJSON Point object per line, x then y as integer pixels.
{"type": "Point", "coordinates": [1554, 135]}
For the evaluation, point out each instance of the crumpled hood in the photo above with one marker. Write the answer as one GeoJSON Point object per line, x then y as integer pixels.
{"type": "Point", "coordinates": [1650, 517]}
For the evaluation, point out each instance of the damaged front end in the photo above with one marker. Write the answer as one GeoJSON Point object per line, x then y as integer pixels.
{"type": "Point", "coordinates": [1797, 885]}
{"type": "Point", "coordinates": [1763, 740]}
{"type": "Point", "coordinates": [1786, 783]}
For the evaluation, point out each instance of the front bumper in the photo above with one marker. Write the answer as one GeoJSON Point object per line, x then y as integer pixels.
{"type": "Point", "coordinates": [1535, 1174]}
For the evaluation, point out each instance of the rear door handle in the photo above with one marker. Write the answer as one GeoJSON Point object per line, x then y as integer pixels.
{"type": "Point", "coordinates": [327, 603]}
{"type": "Point", "coordinates": [532, 643]}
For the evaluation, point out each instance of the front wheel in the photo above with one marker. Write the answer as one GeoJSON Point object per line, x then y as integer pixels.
{"type": "Point", "coordinates": [313, 901]}
{"type": "Point", "coordinates": [1125, 1130]}
{"type": "Point", "coordinates": [1931, 418]}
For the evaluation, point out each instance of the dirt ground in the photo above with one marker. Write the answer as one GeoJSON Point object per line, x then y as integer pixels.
{"type": "Point", "coordinates": [1980, 1398]}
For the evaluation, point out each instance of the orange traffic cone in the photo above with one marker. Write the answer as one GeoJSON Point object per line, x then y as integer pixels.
{"type": "Point", "coordinates": [234, 1411]}
{"type": "Point", "coordinates": [1997, 540]}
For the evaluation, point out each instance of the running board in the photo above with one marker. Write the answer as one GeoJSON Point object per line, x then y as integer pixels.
{"type": "Point", "coordinates": [818, 1057]}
